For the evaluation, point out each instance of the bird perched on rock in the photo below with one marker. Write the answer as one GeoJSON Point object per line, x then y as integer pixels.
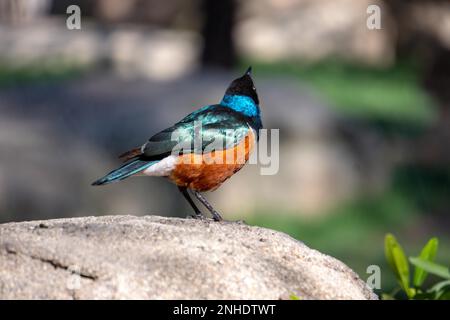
{"type": "Point", "coordinates": [202, 150]}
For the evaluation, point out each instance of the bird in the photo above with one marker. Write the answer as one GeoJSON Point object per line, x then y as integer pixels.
{"type": "Point", "coordinates": [194, 169]}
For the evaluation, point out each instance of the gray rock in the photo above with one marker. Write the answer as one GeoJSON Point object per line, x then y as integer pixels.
{"type": "Point", "coordinates": [123, 257]}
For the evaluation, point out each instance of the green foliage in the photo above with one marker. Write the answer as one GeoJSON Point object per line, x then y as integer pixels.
{"type": "Point", "coordinates": [431, 267]}
{"type": "Point", "coordinates": [424, 264]}
{"type": "Point", "coordinates": [428, 254]}
{"type": "Point", "coordinates": [396, 258]}
{"type": "Point", "coordinates": [38, 73]}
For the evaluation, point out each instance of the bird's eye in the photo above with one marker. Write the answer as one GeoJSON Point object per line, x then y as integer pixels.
{"type": "Point", "coordinates": [254, 89]}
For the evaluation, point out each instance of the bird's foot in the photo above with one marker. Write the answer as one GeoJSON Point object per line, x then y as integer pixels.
{"type": "Point", "coordinates": [197, 216]}
{"type": "Point", "coordinates": [216, 216]}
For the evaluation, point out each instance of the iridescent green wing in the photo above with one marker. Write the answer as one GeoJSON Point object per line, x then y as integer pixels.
{"type": "Point", "coordinates": [213, 127]}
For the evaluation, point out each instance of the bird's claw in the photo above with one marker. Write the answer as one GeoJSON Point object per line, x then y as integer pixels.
{"type": "Point", "coordinates": [197, 216]}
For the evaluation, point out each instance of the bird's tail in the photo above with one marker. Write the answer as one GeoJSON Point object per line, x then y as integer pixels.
{"type": "Point", "coordinates": [126, 170]}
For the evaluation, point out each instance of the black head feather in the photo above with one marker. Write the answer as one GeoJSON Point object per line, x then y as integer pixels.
{"type": "Point", "coordinates": [244, 86]}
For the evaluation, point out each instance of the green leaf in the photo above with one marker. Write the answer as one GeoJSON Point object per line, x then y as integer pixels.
{"type": "Point", "coordinates": [441, 290]}
{"type": "Point", "coordinates": [294, 297]}
{"type": "Point", "coordinates": [398, 263]}
{"type": "Point", "coordinates": [444, 295]}
{"type": "Point", "coordinates": [440, 286]}
{"type": "Point", "coordinates": [431, 267]}
{"type": "Point", "coordinates": [425, 296]}
{"type": "Point", "coordinates": [428, 253]}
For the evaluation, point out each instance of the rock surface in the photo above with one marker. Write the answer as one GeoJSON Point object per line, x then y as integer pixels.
{"type": "Point", "coordinates": [150, 257]}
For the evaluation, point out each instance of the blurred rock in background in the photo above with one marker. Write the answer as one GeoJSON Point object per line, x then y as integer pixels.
{"type": "Point", "coordinates": [273, 30]}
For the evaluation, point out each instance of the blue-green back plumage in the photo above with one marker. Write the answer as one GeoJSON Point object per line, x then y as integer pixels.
{"type": "Point", "coordinates": [218, 123]}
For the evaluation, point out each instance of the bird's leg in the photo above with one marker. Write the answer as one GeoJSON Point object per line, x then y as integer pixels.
{"type": "Point", "coordinates": [198, 213]}
{"type": "Point", "coordinates": [202, 199]}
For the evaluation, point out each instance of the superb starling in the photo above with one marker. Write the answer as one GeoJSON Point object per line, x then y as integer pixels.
{"type": "Point", "coordinates": [196, 169]}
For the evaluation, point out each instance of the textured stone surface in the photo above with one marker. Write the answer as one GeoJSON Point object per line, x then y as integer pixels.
{"type": "Point", "coordinates": [121, 257]}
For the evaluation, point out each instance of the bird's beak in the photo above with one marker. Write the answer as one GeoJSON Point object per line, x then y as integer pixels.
{"type": "Point", "coordinates": [249, 71]}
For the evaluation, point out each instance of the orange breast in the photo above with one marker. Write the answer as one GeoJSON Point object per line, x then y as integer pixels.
{"type": "Point", "coordinates": [205, 172]}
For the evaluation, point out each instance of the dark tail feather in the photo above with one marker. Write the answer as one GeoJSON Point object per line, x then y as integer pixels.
{"type": "Point", "coordinates": [126, 170]}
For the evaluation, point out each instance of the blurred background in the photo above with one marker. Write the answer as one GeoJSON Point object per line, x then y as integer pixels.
{"type": "Point", "coordinates": [364, 115]}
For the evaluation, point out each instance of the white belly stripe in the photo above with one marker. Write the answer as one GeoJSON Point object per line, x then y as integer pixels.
{"type": "Point", "coordinates": [163, 168]}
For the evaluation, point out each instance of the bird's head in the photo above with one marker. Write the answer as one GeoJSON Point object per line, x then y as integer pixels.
{"type": "Point", "coordinates": [243, 86]}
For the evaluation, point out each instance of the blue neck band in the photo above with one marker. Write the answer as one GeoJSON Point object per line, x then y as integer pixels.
{"type": "Point", "coordinates": [242, 104]}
